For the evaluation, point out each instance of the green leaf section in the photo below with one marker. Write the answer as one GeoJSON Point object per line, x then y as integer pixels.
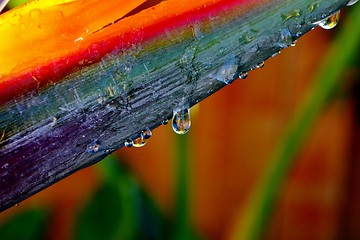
{"type": "Point", "coordinates": [119, 209]}
{"type": "Point", "coordinates": [28, 225]}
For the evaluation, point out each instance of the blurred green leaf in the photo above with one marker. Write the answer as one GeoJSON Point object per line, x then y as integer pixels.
{"type": "Point", "coordinates": [15, 3]}
{"type": "Point", "coordinates": [101, 216]}
{"type": "Point", "coordinates": [120, 209]}
{"type": "Point", "coordinates": [27, 225]}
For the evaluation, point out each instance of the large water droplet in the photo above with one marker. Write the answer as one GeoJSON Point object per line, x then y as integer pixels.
{"type": "Point", "coordinates": [351, 2]}
{"type": "Point", "coordinates": [181, 120]}
{"type": "Point", "coordinates": [331, 21]}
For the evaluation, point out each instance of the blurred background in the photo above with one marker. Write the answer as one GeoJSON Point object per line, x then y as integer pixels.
{"type": "Point", "coordinates": [206, 184]}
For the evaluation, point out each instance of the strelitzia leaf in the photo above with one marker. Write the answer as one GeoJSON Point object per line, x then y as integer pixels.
{"type": "Point", "coordinates": [82, 86]}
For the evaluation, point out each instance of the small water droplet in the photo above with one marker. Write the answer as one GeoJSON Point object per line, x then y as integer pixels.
{"type": "Point", "coordinates": [331, 21]}
{"type": "Point", "coordinates": [94, 147]}
{"type": "Point", "coordinates": [16, 205]}
{"type": "Point", "coordinates": [255, 48]}
{"type": "Point", "coordinates": [260, 65]}
{"type": "Point", "coordinates": [275, 54]}
{"type": "Point", "coordinates": [243, 75]}
{"type": "Point", "coordinates": [286, 38]}
{"type": "Point", "coordinates": [228, 71]}
{"type": "Point", "coordinates": [53, 122]}
{"type": "Point", "coordinates": [128, 143]}
{"type": "Point", "coordinates": [165, 121]}
{"type": "Point", "coordinates": [35, 13]}
{"type": "Point", "coordinates": [146, 133]}
{"type": "Point", "coordinates": [108, 151]}
{"type": "Point", "coordinates": [139, 142]}
{"type": "Point", "coordinates": [351, 2]}
{"type": "Point", "coordinates": [181, 120]}
{"type": "Point", "coordinates": [293, 44]}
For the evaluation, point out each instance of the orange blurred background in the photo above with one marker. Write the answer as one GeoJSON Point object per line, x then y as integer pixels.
{"type": "Point", "coordinates": [233, 133]}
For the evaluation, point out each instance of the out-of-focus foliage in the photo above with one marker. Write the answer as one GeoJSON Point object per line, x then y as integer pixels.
{"type": "Point", "coordinates": [27, 225]}
{"type": "Point", "coordinates": [15, 3]}
{"type": "Point", "coordinates": [119, 209]}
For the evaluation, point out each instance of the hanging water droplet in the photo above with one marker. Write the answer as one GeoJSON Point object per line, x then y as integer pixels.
{"type": "Point", "coordinates": [331, 21]}
{"type": "Point", "coordinates": [146, 133]}
{"type": "Point", "coordinates": [108, 151]}
{"type": "Point", "coordinates": [260, 65]}
{"type": "Point", "coordinates": [128, 143]}
{"type": "Point", "coordinates": [351, 2]}
{"type": "Point", "coordinates": [139, 142]}
{"type": "Point", "coordinates": [165, 121]}
{"type": "Point", "coordinates": [181, 120]}
{"type": "Point", "coordinates": [293, 44]}
{"type": "Point", "coordinates": [275, 54]}
{"type": "Point", "coordinates": [94, 147]}
{"type": "Point", "coordinates": [243, 75]}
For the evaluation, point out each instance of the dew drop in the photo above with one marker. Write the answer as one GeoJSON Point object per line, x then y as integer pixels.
{"type": "Point", "coordinates": [139, 142]}
{"type": "Point", "coordinates": [298, 34]}
{"type": "Point", "coordinates": [275, 54]}
{"type": "Point", "coordinates": [351, 2]}
{"type": "Point", "coordinates": [243, 75]}
{"type": "Point", "coordinates": [35, 13]}
{"type": "Point", "coordinates": [165, 121]}
{"type": "Point", "coordinates": [181, 120]}
{"type": "Point", "coordinates": [94, 147]}
{"type": "Point", "coordinates": [228, 71]}
{"type": "Point", "coordinates": [331, 21]}
{"type": "Point", "coordinates": [260, 65]}
{"type": "Point", "coordinates": [146, 133]}
{"type": "Point", "coordinates": [128, 143]}
{"type": "Point", "coordinates": [286, 38]}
